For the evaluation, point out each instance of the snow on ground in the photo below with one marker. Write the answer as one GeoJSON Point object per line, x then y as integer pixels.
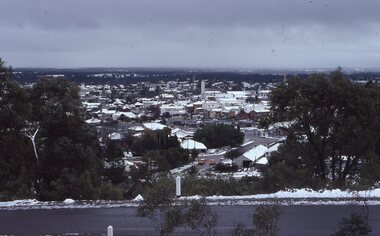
{"type": "Point", "coordinates": [183, 168]}
{"type": "Point", "coordinates": [138, 198]}
{"type": "Point", "coordinates": [290, 197]}
{"type": "Point", "coordinates": [248, 128]}
{"type": "Point", "coordinates": [216, 153]}
{"type": "Point", "coordinates": [69, 201]}
{"type": "Point", "coordinates": [241, 174]}
{"type": "Point", "coordinates": [30, 202]}
{"type": "Point", "coordinates": [237, 175]}
{"type": "Point", "coordinates": [247, 143]}
{"type": "Point", "coordinates": [34, 204]}
{"type": "Point", "coordinates": [305, 194]}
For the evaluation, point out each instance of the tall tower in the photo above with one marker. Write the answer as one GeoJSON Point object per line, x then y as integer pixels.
{"type": "Point", "coordinates": [203, 89]}
{"type": "Point", "coordinates": [284, 79]}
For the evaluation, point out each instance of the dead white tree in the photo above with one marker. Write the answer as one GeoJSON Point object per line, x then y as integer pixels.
{"type": "Point", "coordinates": [32, 136]}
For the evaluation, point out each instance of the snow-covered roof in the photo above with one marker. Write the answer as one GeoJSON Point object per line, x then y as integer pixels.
{"type": "Point", "coordinates": [108, 112]}
{"type": "Point", "coordinates": [262, 161]}
{"type": "Point", "coordinates": [175, 130]}
{"type": "Point", "coordinates": [255, 152]}
{"type": "Point", "coordinates": [91, 104]}
{"type": "Point", "coordinates": [181, 133]}
{"type": "Point", "coordinates": [273, 148]}
{"type": "Point", "coordinates": [248, 108]}
{"type": "Point", "coordinates": [226, 162]}
{"type": "Point", "coordinates": [166, 95]}
{"type": "Point", "coordinates": [154, 126]}
{"type": "Point", "coordinates": [128, 114]}
{"type": "Point", "coordinates": [261, 108]}
{"type": "Point", "coordinates": [182, 102]}
{"type": "Point", "coordinates": [231, 108]}
{"type": "Point", "coordinates": [136, 128]}
{"type": "Point", "coordinates": [93, 121]}
{"type": "Point", "coordinates": [115, 136]}
{"type": "Point", "coordinates": [191, 144]}
{"type": "Point", "coordinates": [172, 106]}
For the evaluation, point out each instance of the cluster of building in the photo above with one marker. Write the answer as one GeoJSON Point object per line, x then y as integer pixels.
{"type": "Point", "coordinates": [178, 99]}
{"type": "Point", "coordinates": [181, 106]}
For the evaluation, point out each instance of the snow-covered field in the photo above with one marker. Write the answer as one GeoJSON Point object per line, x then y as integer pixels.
{"type": "Point", "coordinates": [291, 197]}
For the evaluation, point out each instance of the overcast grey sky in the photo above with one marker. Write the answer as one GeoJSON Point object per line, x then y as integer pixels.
{"type": "Point", "coordinates": [190, 33]}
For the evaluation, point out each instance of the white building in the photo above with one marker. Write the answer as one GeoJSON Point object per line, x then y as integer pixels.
{"type": "Point", "coordinates": [252, 156]}
{"type": "Point", "coordinates": [172, 109]}
{"type": "Point", "coordinates": [208, 105]}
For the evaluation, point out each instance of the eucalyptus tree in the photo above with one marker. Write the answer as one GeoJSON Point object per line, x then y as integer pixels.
{"type": "Point", "coordinates": [334, 122]}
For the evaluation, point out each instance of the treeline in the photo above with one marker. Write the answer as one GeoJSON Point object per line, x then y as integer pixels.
{"type": "Point", "coordinates": [145, 75]}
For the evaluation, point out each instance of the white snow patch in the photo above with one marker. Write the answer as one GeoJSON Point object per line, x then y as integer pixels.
{"type": "Point", "coordinates": [138, 198]}
{"type": "Point", "coordinates": [237, 174]}
{"type": "Point", "coordinates": [183, 168]}
{"type": "Point", "coordinates": [69, 201]}
{"type": "Point", "coordinates": [247, 143]}
{"type": "Point", "coordinates": [305, 194]}
{"type": "Point", "coordinates": [29, 202]}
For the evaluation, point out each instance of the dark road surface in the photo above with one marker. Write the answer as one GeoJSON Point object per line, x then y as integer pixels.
{"type": "Point", "coordinates": [296, 220]}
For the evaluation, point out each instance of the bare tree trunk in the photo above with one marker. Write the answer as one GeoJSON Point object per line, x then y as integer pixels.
{"type": "Point", "coordinates": [32, 138]}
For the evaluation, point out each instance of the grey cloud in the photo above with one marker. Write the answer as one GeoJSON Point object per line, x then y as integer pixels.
{"type": "Point", "coordinates": [142, 13]}
{"type": "Point", "coordinates": [216, 33]}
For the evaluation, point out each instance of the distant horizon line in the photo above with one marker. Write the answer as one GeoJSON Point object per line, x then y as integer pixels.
{"type": "Point", "coordinates": [222, 69]}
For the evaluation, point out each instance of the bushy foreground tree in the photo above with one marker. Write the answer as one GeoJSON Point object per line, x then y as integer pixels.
{"type": "Point", "coordinates": [17, 162]}
{"type": "Point", "coordinates": [265, 222]}
{"type": "Point", "coordinates": [48, 151]}
{"type": "Point", "coordinates": [160, 206]}
{"type": "Point", "coordinates": [355, 225]}
{"type": "Point", "coordinates": [334, 132]}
